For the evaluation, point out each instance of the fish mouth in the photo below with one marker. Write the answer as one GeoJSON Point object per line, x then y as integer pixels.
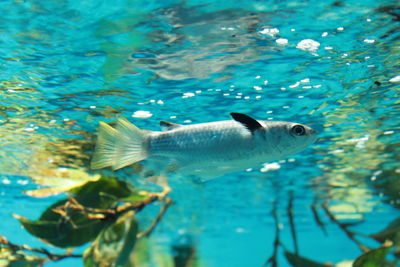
{"type": "Point", "coordinates": [316, 128]}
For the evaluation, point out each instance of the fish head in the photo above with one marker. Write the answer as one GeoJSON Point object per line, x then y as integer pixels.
{"type": "Point", "coordinates": [287, 138]}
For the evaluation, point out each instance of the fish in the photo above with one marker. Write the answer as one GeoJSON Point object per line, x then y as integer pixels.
{"type": "Point", "coordinates": [208, 150]}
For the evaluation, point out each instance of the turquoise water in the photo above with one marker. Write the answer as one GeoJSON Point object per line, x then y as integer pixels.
{"type": "Point", "coordinates": [333, 65]}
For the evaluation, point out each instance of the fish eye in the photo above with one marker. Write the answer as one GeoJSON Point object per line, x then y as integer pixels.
{"type": "Point", "coordinates": [298, 130]}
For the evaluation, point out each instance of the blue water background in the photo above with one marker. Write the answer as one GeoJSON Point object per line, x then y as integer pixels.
{"type": "Point", "coordinates": [66, 65]}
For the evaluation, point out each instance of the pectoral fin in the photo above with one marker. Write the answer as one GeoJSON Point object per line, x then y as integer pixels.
{"type": "Point", "coordinates": [251, 124]}
{"type": "Point", "coordinates": [207, 172]}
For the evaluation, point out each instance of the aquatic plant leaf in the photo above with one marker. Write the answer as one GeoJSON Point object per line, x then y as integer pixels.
{"type": "Point", "coordinates": [64, 234]}
{"type": "Point", "coordinates": [299, 261]}
{"type": "Point", "coordinates": [60, 180]}
{"type": "Point", "coordinates": [10, 258]}
{"type": "Point", "coordinates": [102, 193]}
{"type": "Point", "coordinates": [128, 245]}
{"type": "Point", "coordinates": [86, 213]}
{"type": "Point", "coordinates": [135, 198]}
{"type": "Point", "coordinates": [66, 227]}
{"type": "Point", "coordinates": [391, 232]}
{"type": "Point", "coordinates": [46, 192]}
{"type": "Point", "coordinates": [114, 244]}
{"type": "Point", "coordinates": [374, 257]}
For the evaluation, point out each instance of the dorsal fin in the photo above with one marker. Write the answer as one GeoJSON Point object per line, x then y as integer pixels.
{"type": "Point", "coordinates": [247, 121]}
{"type": "Point", "coordinates": [167, 126]}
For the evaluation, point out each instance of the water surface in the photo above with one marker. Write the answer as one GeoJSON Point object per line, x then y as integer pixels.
{"type": "Point", "coordinates": [334, 65]}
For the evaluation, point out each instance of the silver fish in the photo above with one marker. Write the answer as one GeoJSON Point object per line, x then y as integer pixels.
{"type": "Point", "coordinates": [205, 149]}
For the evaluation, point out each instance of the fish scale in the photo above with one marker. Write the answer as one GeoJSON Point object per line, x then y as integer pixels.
{"type": "Point", "coordinates": [213, 140]}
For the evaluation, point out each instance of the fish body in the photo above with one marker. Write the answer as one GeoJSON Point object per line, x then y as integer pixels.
{"type": "Point", "coordinates": [205, 149]}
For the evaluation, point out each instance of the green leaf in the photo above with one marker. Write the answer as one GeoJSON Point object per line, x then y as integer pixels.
{"type": "Point", "coordinates": [59, 180]}
{"type": "Point", "coordinates": [101, 193]}
{"type": "Point", "coordinates": [76, 228]}
{"type": "Point", "coordinates": [299, 261]}
{"type": "Point", "coordinates": [129, 243]}
{"type": "Point", "coordinates": [373, 258]}
{"type": "Point", "coordinates": [64, 233]}
{"type": "Point", "coordinates": [114, 245]}
{"type": "Point", "coordinates": [135, 198]}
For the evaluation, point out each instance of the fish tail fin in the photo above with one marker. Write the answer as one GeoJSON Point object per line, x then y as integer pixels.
{"type": "Point", "coordinates": [104, 154]}
{"type": "Point", "coordinates": [131, 144]}
{"type": "Point", "coordinates": [119, 147]}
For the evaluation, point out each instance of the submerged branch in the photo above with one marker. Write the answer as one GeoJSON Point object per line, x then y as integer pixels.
{"type": "Point", "coordinates": [289, 211]}
{"type": "Point", "coordinates": [102, 214]}
{"type": "Point", "coordinates": [50, 256]}
{"type": "Point", "coordinates": [350, 234]}
{"type": "Point", "coordinates": [164, 208]}
{"type": "Point", "coordinates": [318, 219]}
{"type": "Point", "coordinates": [273, 259]}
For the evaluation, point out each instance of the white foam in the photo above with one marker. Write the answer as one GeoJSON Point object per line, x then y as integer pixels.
{"type": "Point", "coordinates": [369, 41]}
{"type": "Point", "coordinates": [269, 31]}
{"type": "Point", "coordinates": [282, 41]}
{"type": "Point", "coordinates": [143, 114]}
{"type": "Point", "coordinates": [270, 167]}
{"type": "Point", "coordinates": [187, 95]}
{"type": "Point", "coordinates": [308, 45]}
